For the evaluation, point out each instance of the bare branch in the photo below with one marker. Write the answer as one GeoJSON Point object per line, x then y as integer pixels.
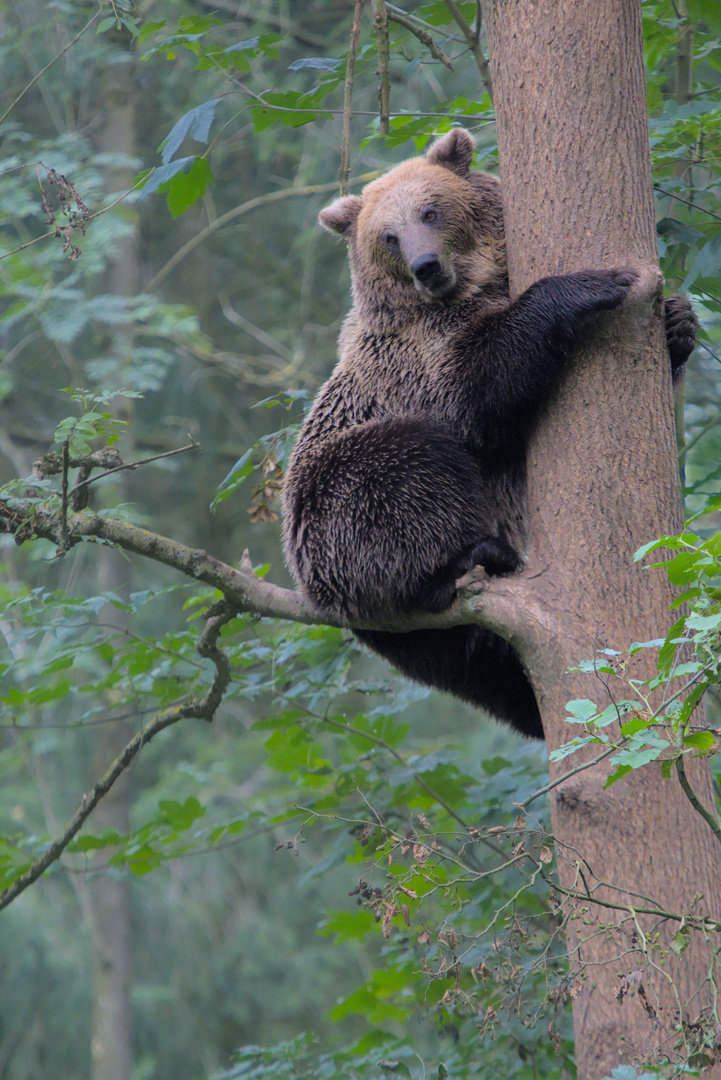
{"type": "Point", "coordinates": [380, 28]}
{"type": "Point", "coordinates": [40, 74]}
{"type": "Point", "coordinates": [400, 17]}
{"type": "Point", "coordinates": [64, 496]}
{"type": "Point", "coordinates": [192, 445]}
{"type": "Point", "coordinates": [203, 709]}
{"type": "Point", "coordinates": [344, 169]}
{"type": "Point", "coordinates": [239, 211]}
{"type": "Point", "coordinates": [710, 819]}
{"type": "Point", "coordinates": [474, 43]}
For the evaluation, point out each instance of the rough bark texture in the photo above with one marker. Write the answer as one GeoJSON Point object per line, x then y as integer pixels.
{"type": "Point", "coordinates": [573, 144]}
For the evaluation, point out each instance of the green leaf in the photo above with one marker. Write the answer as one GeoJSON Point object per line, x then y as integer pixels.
{"type": "Point", "coordinates": [196, 123]}
{"type": "Point", "coordinates": [320, 63]}
{"type": "Point", "coordinates": [613, 712]}
{"type": "Point", "coordinates": [349, 925]}
{"type": "Point", "coordinates": [493, 765]}
{"type": "Point", "coordinates": [184, 181]}
{"type": "Point", "coordinates": [704, 741]}
{"type": "Point", "coordinates": [242, 469]}
{"type": "Point", "coordinates": [108, 838]}
{"type": "Point", "coordinates": [637, 723]}
{"type": "Point", "coordinates": [617, 774]}
{"type": "Point", "coordinates": [706, 11]}
{"type": "Point", "coordinates": [681, 939]}
{"type": "Point", "coordinates": [684, 713]}
{"type": "Point", "coordinates": [149, 28]}
{"type": "Point", "coordinates": [141, 861]}
{"type": "Point", "coordinates": [187, 187]}
{"type": "Point", "coordinates": [655, 643]}
{"type": "Point", "coordinates": [707, 263]}
{"type": "Point", "coordinates": [695, 621]}
{"type": "Point", "coordinates": [181, 815]}
{"type": "Point", "coordinates": [571, 748]}
{"type": "Point", "coordinates": [159, 178]}
{"type": "Point", "coordinates": [654, 545]}
{"type": "Point", "coordinates": [581, 711]}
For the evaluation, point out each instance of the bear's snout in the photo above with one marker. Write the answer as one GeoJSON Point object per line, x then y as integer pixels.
{"type": "Point", "coordinates": [431, 276]}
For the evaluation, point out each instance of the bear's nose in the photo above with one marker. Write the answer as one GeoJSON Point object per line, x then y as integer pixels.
{"type": "Point", "coordinates": [427, 269]}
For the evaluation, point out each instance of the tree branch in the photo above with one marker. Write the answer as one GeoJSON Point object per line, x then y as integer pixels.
{"type": "Point", "coordinates": [344, 169]}
{"type": "Point", "coordinates": [380, 28]}
{"type": "Point", "coordinates": [40, 74]}
{"type": "Point", "coordinates": [395, 15]}
{"type": "Point", "coordinates": [693, 798]}
{"type": "Point", "coordinates": [474, 43]}
{"type": "Point", "coordinates": [203, 709]}
{"type": "Point", "coordinates": [507, 606]}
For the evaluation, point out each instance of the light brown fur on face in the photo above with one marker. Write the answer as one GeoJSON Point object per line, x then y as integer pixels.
{"type": "Point", "coordinates": [425, 232]}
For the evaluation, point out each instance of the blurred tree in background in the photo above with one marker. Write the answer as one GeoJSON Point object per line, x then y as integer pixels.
{"type": "Point", "coordinates": [221, 897]}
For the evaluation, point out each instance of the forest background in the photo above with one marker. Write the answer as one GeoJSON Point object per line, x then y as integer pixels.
{"type": "Point", "coordinates": [220, 884]}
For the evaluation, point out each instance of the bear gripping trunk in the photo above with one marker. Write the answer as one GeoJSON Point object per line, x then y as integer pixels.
{"type": "Point", "coordinates": [603, 479]}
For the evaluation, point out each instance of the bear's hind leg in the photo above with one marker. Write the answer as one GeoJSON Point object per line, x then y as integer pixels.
{"type": "Point", "coordinates": [469, 662]}
{"type": "Point", "coordinates": [378, 514]}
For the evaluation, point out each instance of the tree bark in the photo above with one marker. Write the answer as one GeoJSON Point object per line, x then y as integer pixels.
{"type": "Point", "coordinates": [603, 479]}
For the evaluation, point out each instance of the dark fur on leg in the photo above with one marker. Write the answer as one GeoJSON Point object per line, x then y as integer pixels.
{"type": "Point", "coordinates": [468, 661]}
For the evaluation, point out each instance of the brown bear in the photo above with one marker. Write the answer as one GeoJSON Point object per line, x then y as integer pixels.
{"type": "Point", "coordinates": [410, 466]}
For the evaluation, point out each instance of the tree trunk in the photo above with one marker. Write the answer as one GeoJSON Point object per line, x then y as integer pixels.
{"type": "Point", "coordinates": [112, 1042]}
{"type": "Point", "coordinates": [603, 479]}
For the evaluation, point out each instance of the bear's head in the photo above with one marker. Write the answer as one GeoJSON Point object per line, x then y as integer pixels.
{"type": "Point", "coordinates": [428, 231]}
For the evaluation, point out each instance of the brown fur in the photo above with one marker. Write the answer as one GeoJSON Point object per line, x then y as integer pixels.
{"type": "Point", "coordinates": [410, 466]}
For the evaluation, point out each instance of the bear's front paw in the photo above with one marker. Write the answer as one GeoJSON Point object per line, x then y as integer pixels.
{"type": "Point", "coordinates": [624, 277]}
{"type": "Point", "coordinates": [681, 326]}
{"type": "Point", "coordinates": [647, 285]}
{"type": "Point", "coordinates": [624, 284]}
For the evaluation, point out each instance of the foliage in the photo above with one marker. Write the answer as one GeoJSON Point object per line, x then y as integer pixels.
{"type": "Point", "coordinates": [353, 862]}
{"type": "Point", "coordinates": [661, 719]}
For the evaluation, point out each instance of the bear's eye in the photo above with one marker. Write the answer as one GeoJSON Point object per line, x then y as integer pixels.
{"type": "Point", "coordinates": [429, 215]}
{"type": "Point", "coordinates": [391, 240]}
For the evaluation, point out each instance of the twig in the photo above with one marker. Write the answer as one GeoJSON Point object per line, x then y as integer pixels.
{"type": "Point", "coordinates": [64, 497]}
{"type": "Point", "coordinates": [696, 922]}
{"type": "Point", "coordinates": [88, 804]}
{"type": "Point", "coordinates": [416, 776]}
{"type": "Point", "coordinates": [710, 819]}
{"type": "Point", "coordinates": [40, 74]}
{"type": "Point", "coordinates": [91, 217]}
{"type": "Point", "coordinates": [380, 28]}
{"type": "Point", "coordinates": [203, 709]}
{"type": "Point", "coordinates": [192, 445]}
{"type": "Point", "coordinates": [473, 40]}
{"type": "Point", "coordinates": [687, 202]}
{"type": "Point", "coordinates": [344, 168]}
{"type": "Point", "coordinates": [566, 776]}
{"type": "Point", "coordinates": [400, 17]}
{"type": "Point", "coordinates": [239, 211]}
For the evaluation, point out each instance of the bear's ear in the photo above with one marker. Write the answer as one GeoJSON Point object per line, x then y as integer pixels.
{"type": "Point", "coordinates": [340, 215]}
{"type": "Point", "coordinates": [453, 151]}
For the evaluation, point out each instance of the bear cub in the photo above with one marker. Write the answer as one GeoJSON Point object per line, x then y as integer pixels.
{"type": "Point", "coordinates": [410, 466]}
